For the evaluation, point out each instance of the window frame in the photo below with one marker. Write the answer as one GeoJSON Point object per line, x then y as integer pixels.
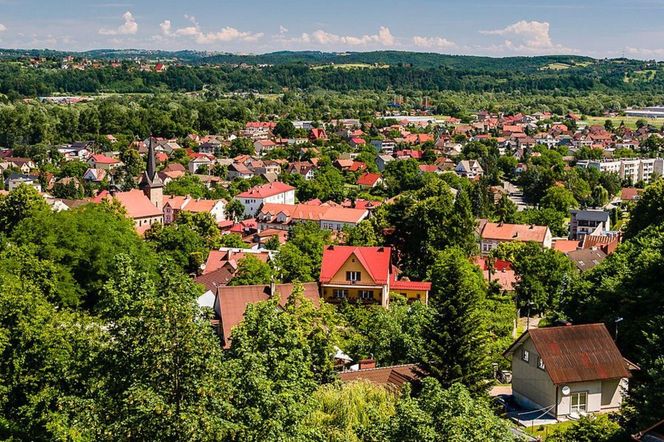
{"type": "Point", "coordinates": [366, 295]}
{"type": "Point", "coordinates": [525, 356]}
{"type": "Point", "coordinates": [340, 293]}
{"type": "Point", "coordinates": [580, 407]}
{"type": "Point", "coordinates": [351, 273]}
{"type": "Point", "coordinates": [540, 363]}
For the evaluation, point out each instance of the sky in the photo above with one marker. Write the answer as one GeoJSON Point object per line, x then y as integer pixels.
{"type": "Point", "coordinates": [597, 28]}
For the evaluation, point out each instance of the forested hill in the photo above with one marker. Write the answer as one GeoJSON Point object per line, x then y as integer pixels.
{"type": "Point", "coordinates": [395, 71]}
{"type": "Point", "coordinates": [318, 58]}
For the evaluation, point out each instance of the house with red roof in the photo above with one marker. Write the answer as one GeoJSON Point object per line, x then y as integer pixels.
{"type": "Point", "coordinates": [174, 204]}
{"type": "Point", "coordinates": [276, 192]}
{"type": "Point", "coordinates": [283, 216]}
{"type": "Point", "coordinates": [492, 234]}
{"type": "Point", "coordinates": [316, 134]}
{"type": "Point", "coordinates": [568, 371]}
{"type": "Point", "coordinates": [369, 180]}
{"type": "Point", "coordinates": [356, 142]}
{"type": "Point", "coordinates": [365, 275]}
{"type": "Point", "coordinates": [100, 161]}
{"type": "Point", "coordinates": [138, 207]}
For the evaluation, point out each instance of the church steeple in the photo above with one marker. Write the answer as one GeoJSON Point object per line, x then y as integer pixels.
{"type": "Point", "coordinates": [150, 183]}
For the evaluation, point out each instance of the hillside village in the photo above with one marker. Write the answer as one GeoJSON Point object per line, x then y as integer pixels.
{"type": "Point", "coordinates": [494, 269]}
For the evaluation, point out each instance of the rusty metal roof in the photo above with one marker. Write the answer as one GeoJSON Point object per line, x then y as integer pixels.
{"type": "Point", "coordinates": [395, 375]}
{"type": "Point", "coordinates": [579, 353]}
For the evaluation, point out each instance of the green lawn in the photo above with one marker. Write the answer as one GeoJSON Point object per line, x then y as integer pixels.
{"type": "Point", "coordinates": [545, 430]}
{"type": "Point", "coordinates": [629, 121]}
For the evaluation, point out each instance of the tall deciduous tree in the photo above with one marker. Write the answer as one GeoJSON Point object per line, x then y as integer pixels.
{"type": "Point", "coordinates": [440, 415]}
{"type": "Point", "coordinates": [252, 271]}
{"type": "Point", "coordinates": [21, 203]}
{"type": "Point", "coordinates": [163, 377]}
{"type": "Point", "coordinates": [649, 209]}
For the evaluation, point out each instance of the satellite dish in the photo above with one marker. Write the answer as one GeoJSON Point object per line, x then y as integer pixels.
{"type": "Point", "coordinates": [566, 390]}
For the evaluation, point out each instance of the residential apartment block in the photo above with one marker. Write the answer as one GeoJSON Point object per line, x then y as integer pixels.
{"type": "Point", "coordinates": [631, 169]}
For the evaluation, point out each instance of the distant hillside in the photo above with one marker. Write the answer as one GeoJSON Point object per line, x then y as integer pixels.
{"type": "Point", "coordinates": [392, 58]}
{"type": "Point", "coordinates": [311, 70]}
{"type": "Point", "coordinates": [395, 58]}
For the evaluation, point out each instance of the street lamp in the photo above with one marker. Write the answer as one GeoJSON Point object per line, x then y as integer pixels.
{"type": "Point", "coordinates": [616, 322]}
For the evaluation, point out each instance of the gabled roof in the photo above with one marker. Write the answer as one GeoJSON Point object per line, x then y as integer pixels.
{"type": "Point", "coordinates": [368, 179]}
{"type": "Point", "coordinates": [576, 353]}
{"type": "Point", "coordinates": [375, 260]}
{"type": "Point", "coordinates": [266, 190]}
{"type": "Point", "coordinates": [586, 259]}
{"type": "Point", "coordinates": [137, 204]}
{"type": "Point", "coordinates": [232, 302]}
{"type": "Point", "coordinates": [591, 215]}
{"type": "Point", "coordinates": [394, 376]}
{"type": "Point", "coordinates": [514, 232]}
{"type": "Point", "coordinates": [103, 159]}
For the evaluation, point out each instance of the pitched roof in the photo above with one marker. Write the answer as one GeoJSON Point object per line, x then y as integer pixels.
{"type": "Point", "coordinates": [218, 277]}
{"type": "Point", "coordinates": [266, 190]}
{"type": "Point", "coordinates": [586, 259]}
{"type": "Point", "coordinates": [565, 245]}
{"type": "Point", "coordinates": [232, 302]}
{"type": "Point", "coordinates": [368, 179]}
{"type": "Point", "coordinates": [395, 375]}
{"type": "Point", "coordinates": [514, 232]}
{"type": "Point", "coordinates": [577, 353]}
{"type": "Point", "coordinates": [103, 159]}
{"type": "Point", "coordinates": [375, 260]}
{"type": "Point", "coordinates": [630, 193]}
{"type": "Point", "coordinates": [137, 204]}
{"type": "Point", "coordinates": [591, 215]}
{"type": "Point", "coordinates": [201, 205]}
{"type": "Point", "coordinates": [312, 212]}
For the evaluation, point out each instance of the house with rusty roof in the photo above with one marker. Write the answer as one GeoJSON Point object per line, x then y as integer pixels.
{"type": "Point", "coordinates": [392, 377]}
{"type": "Point", "coordinates": [365, 275]}
{"type": "Point", "coordinates": [492, 234]}
{"type": "Point", "coordinates": [230, 303]}
{"type": "Point", "coordinates": [568, 371]}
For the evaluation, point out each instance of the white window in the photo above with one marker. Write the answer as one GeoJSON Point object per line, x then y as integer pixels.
{"type": "Point", "coordinates": [340, 293]}
{"type": "Point", "coordinates": [579, 402]}
{"type": "Point", "coordinates": [525, 355]}
{"type": "Point", "coordinates": [540, 363]}
{"type": "Point", "coordinates": [366, 295]}
{"type": "Point", "coordinates": [353, 276]}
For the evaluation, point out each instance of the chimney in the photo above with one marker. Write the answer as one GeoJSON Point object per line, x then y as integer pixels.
{"type": "Point", "coordinates": [366, 364]}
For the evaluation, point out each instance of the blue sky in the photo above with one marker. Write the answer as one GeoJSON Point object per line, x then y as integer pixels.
{"type": "Point", "coordinates": [599, 28]}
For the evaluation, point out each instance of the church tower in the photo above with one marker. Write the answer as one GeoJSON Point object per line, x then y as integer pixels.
{"type": "Point", "coordinates": [150, 183]}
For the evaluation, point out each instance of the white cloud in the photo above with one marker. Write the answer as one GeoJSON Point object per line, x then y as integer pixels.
{"type": "Point", "coordinates": [527, 37]}
{"type": "Point", "coordinates": [283, 29]}
{"type": "Point", "coordinates": [645, 52]}
{"type": "Point", "coordinates": [433, 42]}
{"type": "Point", "coordinates": [128, 27]}
{"type": "Point", "coordinates": [3, 28]}
{"type": "Point", "coordinates": [384, 37]}
{"type": "Point", "coordinates": [194, 31]}
{"type": "Point", "coordinates": [165, 27]}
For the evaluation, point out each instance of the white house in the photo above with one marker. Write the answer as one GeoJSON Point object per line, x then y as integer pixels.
{"type": "Point", "coordinates": [254, 198]}
{"type": "Point", "coordinates": [469, 169]}
{"type": "Point", "coordinates": [568, 371]}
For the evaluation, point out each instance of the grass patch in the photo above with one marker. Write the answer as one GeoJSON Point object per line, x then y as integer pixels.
{"type": "Point", "coordinates": [352, 66]}
{"type": "Point", "coordinates": [629, 121]}
{"type": "Point", "coordinates": [543, 431]}
{"type": "Point", "coordinates": [556, 66]}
